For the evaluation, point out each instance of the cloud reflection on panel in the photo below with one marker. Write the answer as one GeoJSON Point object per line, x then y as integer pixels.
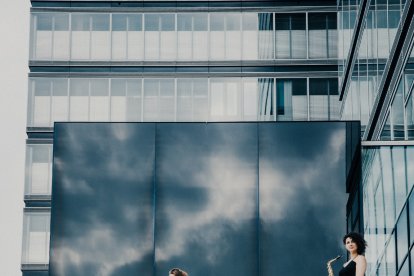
{"type": "Point", "coordinates": [206, 218]}
{"type": "Point", "coordinates": [95, 230]}
{"type": "Point", "coordinates": [302, 197]}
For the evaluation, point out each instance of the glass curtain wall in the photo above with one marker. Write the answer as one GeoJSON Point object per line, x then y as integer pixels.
{"type": "Point", "coordinates": [388, 179]}
{"type": "Point", "coordinates": [181, 99]}
{"type": "Point", "coordinates": [36, 236]}
{"type": "Point", "coordinates": [378, 33]}
{"type": "Point", "coordinates": [182, 36]}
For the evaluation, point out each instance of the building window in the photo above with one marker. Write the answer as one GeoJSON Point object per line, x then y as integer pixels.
{"type": "Point", "coordinates": [36, 236]}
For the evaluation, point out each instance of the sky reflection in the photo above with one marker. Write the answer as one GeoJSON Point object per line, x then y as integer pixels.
{"type": "Point", "coordinates": [219, 198]}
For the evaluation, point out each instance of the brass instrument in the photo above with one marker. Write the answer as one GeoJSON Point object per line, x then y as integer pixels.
{"type": "Point", "coordinates": [328, 265]}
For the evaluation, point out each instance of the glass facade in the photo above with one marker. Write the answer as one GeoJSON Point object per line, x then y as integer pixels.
{"type": "Point", "coordinates": [387, 184]}
{"type": "Point", "coordinates": [378, 31]}
{"type": "Point", "coordinates": [218, 61]}
{"type": "Point", "coordinates": [182, 36]}
{"type": "Point", "coordinates": [181, 99]}
{"type": "Point", "coordinates": [375, 85]}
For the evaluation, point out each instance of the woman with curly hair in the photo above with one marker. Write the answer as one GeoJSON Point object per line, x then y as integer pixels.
{"type": "Point", "coordinates": [356, 265]}
{"type": "Point", "coordinates": [178, 272]}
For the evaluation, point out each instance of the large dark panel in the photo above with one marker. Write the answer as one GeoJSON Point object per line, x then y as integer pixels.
{"type": "Point", "coordinates": [102, 199]}
{"type": "Point", "coordinates": [302, 196]}
{"type": "Point", "coordinates": [215, 199]}
{"type": "Point", "coordinates": [206, 198]}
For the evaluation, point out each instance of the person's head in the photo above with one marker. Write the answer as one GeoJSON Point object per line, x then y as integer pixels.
{"type": "Point", "coordinates": [178, 272]}
{"type": "Point", "coordinates": [354, 242]}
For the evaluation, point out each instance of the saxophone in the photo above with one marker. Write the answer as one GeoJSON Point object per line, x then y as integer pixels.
{"type": "Point", "coordinates": [328, 265]}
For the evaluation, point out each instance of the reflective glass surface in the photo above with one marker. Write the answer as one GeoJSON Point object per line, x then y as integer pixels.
{"type": "Point", "coordinates": [181, 99]}
{"type": "Point", "coordinates": [102, 203]}
{"type": "Point", "coordinates": [183, 36]}
{"type": "Point", "coordinates": [216, 198]}
{"type": "Point", "coordinates": [295, 199]}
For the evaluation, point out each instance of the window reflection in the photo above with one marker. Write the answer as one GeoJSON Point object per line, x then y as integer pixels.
{"type": "Point", "coordinates": [38, 170]}
{"type": "Point", "coordinates": [232, 36]}
{"type": "Point", "coordinates": [36, 235]}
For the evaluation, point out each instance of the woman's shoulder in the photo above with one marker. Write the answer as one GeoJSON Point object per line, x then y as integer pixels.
{"type": "Point", "coordinates": [360, 259]}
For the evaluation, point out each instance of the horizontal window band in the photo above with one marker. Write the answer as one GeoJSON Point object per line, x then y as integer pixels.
{"type": "Point", "coordinates": [183, 69]}
{"type": "Point", "coordinates": [37, 201]}
{"type": "Point", "coordinates": [324, 5]}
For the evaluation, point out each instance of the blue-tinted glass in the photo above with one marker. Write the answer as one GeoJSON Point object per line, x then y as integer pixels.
{"type": "Point", "coordinates": [200, 22]}
{"type": "Point", "coordinates": [184, 22]}
{"type": "Point", "coordinates": [80, 22]}
{"type": "Point", "coordinates": [167, 22]}
{"type": "Point", "coordinates": [142, 198]}
{"type": "Point", "coordinates": [265, 21]}
{"type": "Point", "coordinates": [61, 22]}
{"type": "Point", "coordinates": [233, 22]}
{"type": "Point", "coordinates": [42, 88]}
{"type": "Point", "coordinates": [151, 22]}
{"type": "Point", "coordinates": [135, 22]}
{"type": "Point", "coordinates": [249, 22]}
{"type": "Point", "coordinates": [198, 227]}
{"type": "Point", "coordinates": [405, 270]}
{"type": "Point", "coordinates": [289, 203]}
{"type": "Point", "coordinates": [317, 21]}
{"type": "Point", "coordinates": [318, 86]}
{"type": "Point", "coordinates": [411, 217]}
{"type": "Point", "coordinates": [102, 204]}
{"type": "Point", "coordinates": [280, 97]}
{"type": "Point", "coordinates": [299, 87]}
{"type": "Point", "coordinates": [119, 22]}
{"type": "Point", "coordinates": [382, 19]}
{"type": "Point", "coordinates": [283, 22]}
{"type": "Point", "coordinates": [44, 22]}
{"type": "Point", "coordinates": [398, 167]}
{"type": "Point", "coordinates": [393, 19]}
{"type": "Point", "coordinates": [402, 237]}
{"type": "Point", "coordinates": [60, 87]}
{"type": "Point", "coordinates": [217, 22]}
{"type": "Point", "coordinates": [298, 21]}
{"type": "Point", "coordinates": [100, 22]}
{"type": "Point", "coordinates": [333, 86]}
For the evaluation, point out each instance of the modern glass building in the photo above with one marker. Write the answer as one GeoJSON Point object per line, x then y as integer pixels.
{"type": "Point", "coordinates": [231, 61]}
{"type": "Point", "coordinates": [376, 83]}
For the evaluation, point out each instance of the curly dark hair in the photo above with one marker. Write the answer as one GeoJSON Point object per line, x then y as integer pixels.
{"type": "Point", "coordinates": [358, 239]}
{"type": "Point", "coordinates": [178, 272]}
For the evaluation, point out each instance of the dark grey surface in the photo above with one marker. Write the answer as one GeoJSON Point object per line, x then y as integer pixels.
{"type": "Point", "coordinates": [215, 199]}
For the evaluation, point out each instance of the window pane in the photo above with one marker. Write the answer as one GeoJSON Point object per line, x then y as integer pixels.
{"type": "Point", "coordinates": [44, 22]}
{"type": "Point", "coordinates": [38, 169]}
{"type": "Point", "coordinates": [79, 100]}
{"type": "Point", "coordinates": [402, 237]}
{"type": "Point", "coordinates": [216, 22]}
{"type": "Point", "coordinates": [100, 22]}
{"type": "Point", "coordinates": [184, 22]}
{"type": "Point", "coordinates": [250, 22]}
{"type": "Point", "coordinates": [119, 22]}
{"type": "Point", "coordinates": [99, 100]}
{"type": "Point", "coordinates": [410, 117]}
{"type": "Point", "coordinates": [36, 236]}
{"type": "Point", "coordinates": [80, 22]}
{"type": "Point", "coordinates": [233, 22]}
{"type": "Point", "coordinates": [135, 22]}
{"type": "Point", "coordinates": [60, 100]}
{"type": "Point", "coordinates": [167, 22]}
{"type": "Point", "coordinates": [61, 22]}
{"type": "Point", "coordinates": [151, 22]}
{"type": "Point", "coordinates": [200, 22]}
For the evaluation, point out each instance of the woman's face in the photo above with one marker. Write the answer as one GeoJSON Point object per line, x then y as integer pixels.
{"type": "Point", "coordinates": [350, 245]}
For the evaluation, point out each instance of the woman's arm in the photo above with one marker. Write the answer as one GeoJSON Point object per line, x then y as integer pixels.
{"type": "Point", "coordinates": [361, 265]}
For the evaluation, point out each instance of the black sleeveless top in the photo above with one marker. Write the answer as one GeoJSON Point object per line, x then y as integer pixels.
{"type": "Point", "coordinates": [349, 270]}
